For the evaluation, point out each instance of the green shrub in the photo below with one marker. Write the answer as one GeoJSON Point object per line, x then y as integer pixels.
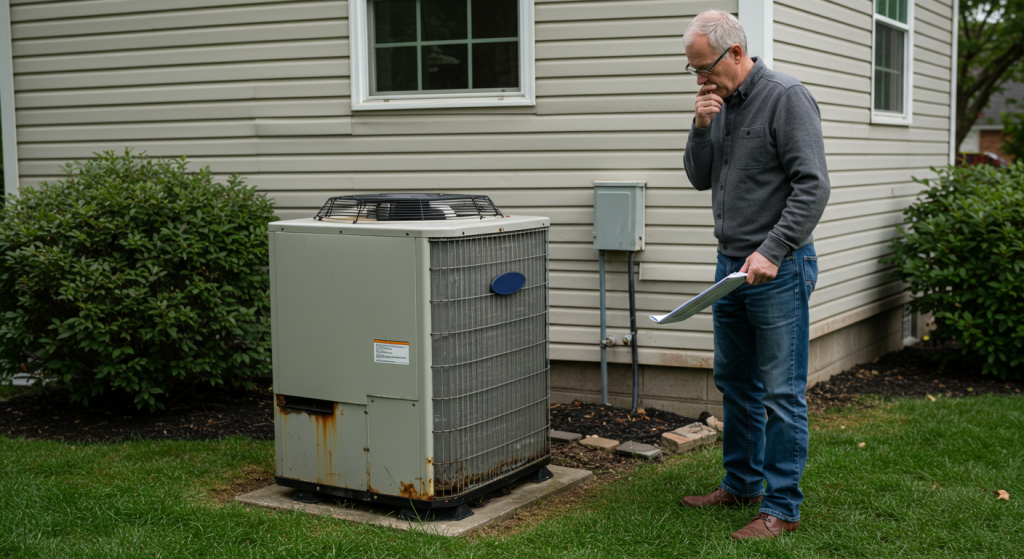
{"type": "Point", "coordinates": [133, 277]}
{"type": "Point", "coordinates": [1013, 133]}
{"type": "Point", "coordinates": [962, 253]}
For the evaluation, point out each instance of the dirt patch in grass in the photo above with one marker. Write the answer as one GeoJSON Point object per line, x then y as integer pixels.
{"type": "Point", "coordinates": [574, 499]}
{"type": "Point", "coordinates": [252, 478]}
{"type": "Point", "coordinates": [607, 467]}
{"type": "Point", "coordinates": [591, 419]}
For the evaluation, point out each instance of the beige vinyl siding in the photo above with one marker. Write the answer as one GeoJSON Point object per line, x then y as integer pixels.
{"type": "Point", "coordinates": [261, 88]}
{"type": "Point", "coordinates": [828, 46]}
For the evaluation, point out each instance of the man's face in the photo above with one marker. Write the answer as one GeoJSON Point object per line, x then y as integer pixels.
{"type": "Point", "coordinates": [725, 75]}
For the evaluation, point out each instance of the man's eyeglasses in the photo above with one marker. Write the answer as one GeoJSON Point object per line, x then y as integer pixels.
{"type": "Point", "coordinates": [706, 72]}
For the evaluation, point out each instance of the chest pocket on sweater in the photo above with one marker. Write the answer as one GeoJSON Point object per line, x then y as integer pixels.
{"type": "Point", "coordinates": [751, 148]}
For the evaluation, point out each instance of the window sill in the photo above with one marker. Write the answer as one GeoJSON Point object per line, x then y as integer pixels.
{"type": "Point", "coordinates": [451, 103]}
{"type": "Point", "coordinates": [892, 120]}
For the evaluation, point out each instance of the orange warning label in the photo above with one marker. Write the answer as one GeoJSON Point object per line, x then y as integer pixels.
{"type": "Point", "coordinates": [390, 352]}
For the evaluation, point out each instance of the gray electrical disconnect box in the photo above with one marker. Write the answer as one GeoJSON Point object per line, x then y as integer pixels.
{"type": "Point", "coordinates": [619, 215]}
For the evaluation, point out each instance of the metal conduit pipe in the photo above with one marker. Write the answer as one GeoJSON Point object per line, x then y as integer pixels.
{"type": "Point", "coordinates": [604, 333]}
{"type": "Point", "coordinates": [632, 332]}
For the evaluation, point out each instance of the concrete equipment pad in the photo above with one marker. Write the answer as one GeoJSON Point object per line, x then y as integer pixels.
{"type": "Point", "coordinates": [502, 507]}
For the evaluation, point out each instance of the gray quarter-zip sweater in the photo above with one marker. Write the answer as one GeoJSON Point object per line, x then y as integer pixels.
{"type": "Point", "coordinates": [764, 159]}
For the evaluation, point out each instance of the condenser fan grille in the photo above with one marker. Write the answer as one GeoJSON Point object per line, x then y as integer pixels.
{"type": "Point", "coordinates": [408, 207]}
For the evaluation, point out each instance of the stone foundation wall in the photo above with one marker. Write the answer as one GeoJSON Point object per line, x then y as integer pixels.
{"type": "Point", "coordinates": [690, 391]}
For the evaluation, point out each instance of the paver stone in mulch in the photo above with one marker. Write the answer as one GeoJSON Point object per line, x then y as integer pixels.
{"type": "Point", "coordinates": [632, 448]}
{"type": "Point", "coordinates": [677, 442]}
{"type": "Point", "coordinates": [564, 437]}
{"type": "Point", "coordinates": [600, 443]}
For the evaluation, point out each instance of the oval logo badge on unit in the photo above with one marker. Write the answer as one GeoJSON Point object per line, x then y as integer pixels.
{"type": "Point", "coordinates": [508, 283]}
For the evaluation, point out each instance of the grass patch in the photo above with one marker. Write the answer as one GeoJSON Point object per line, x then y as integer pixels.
{"type": "Point", "coordinates": [920, 487]}
{"type": "Point", "coordinates": [8, 391]}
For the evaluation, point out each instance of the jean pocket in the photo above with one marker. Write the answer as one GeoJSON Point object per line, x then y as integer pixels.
{"type": "Point", "coordinates": [811, 271]}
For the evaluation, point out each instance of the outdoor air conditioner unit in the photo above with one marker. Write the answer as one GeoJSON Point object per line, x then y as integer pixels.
{"type": "Point", "coordinates": [410, 350]}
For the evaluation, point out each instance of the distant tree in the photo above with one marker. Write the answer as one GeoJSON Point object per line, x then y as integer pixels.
{"type": "Point", "coordinates": [991, 53]}
{"type": "Point", "coordinates": [1013, 127]}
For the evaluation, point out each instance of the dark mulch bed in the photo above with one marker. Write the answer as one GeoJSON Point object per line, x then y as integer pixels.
{"type": "Point", "coordinates": [216, 413]}
{"type": "Point", "coordinates": [208, 414]}
{"type": "Point", "coordinates": [645, 426]}
{"type": "Point", "coordinates": [909, 372]}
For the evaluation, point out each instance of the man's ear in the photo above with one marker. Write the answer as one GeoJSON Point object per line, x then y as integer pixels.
{"type": "Point", "coordinates": [737, 53]}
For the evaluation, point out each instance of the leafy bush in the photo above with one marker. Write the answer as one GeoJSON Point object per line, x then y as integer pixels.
{"type": "Point", "coordinates": [134, 277]}
{"type": "Point", "coordinates": [1013, 133]}
{"type": "Point", "coordinates": [962, 254]}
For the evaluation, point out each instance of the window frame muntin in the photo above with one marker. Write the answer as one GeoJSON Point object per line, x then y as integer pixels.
{"type": "Point", "coordinates": [905, 118]}
{"type": "Point", "coordinates": [361, 66]}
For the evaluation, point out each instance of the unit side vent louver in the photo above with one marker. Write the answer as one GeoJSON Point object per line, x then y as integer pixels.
{"type": "Point", "coordinates": [408, 207]}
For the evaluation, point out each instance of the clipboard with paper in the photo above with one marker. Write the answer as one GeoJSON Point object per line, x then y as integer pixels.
{"type": "Point", "coordinates": [702, 301]}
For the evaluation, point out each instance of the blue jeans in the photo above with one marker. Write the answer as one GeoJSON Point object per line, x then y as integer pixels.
{"type": "Point", "coordinates": [761, 339]}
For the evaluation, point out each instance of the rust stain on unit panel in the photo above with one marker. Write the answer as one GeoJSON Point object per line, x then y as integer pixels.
{"type": "Point", "coordinates": [320, 429]}
{"type": "Point", "coordinates": [280, 442]}
{"type": "Point", "coordinates": [409, 491]}
{"type": "Point", "coordinates": [430, 479]}
{"type": "Point", "coordinates": [326, 429]}
{"type": "Point", "coordinates": [459, 481]}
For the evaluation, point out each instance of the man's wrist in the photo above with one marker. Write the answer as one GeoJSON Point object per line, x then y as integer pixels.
{"type": "Point", "coordinates": [773, 249]}
{"type": "Point", "coordinates": [700, 134]}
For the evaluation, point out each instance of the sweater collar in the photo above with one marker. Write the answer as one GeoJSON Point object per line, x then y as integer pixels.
{"type": "Point", "coordinates": [755, 75]}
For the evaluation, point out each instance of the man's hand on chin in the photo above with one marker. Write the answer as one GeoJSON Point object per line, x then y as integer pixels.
{"type": "Point", "coordinates": [759, 269]}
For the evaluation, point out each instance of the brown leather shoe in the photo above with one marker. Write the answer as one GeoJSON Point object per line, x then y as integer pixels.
{"type": "Point", "coordinates": [718, 497]}
{"type": "Point", "coordinates": [764, 525]}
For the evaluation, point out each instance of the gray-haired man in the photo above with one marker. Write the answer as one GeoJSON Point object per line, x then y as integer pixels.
{"type": "Point", "coordinates": [756, 143]}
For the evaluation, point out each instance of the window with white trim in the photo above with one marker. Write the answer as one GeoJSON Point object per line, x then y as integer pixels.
{"type": "Point", "coordinates": [892, 64]}
{"type": "Point", "coordinates": [441, 53]}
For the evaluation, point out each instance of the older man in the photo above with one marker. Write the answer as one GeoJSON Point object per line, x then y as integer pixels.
{"type": "Point", "coordinates": [756, 143]}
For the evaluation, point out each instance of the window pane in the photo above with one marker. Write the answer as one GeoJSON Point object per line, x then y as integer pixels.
{"type": "Point", "coordinates": [892, 9]}
{"type": "Point", "coordinates": [396, 69]}
{"type": "Point", "coordinates": [495, 19]}
{"type": "Point", "coordinates": [443, 20]}
{"type": "Point", "coordinates": [445, 67]}
{"type": "Point", "coordinates": [394, 21]}
{"type": "Point", "coordinates": [889, 55]}
{"type": "Point", "coordinates": [496, 65]}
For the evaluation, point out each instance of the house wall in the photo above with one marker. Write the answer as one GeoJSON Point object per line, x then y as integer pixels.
{"type": "Point", "coordinates": [827, 45]}
{"type": "Point", "coordinates": [691, 390]}
{"type": "Point", "coordinates": [261, 88]}
{"type": "Point", "coordinates": [992, 141]}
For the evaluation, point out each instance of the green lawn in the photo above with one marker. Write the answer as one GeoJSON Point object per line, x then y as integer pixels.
{"type": "Point", "coordinates": [920, 487]}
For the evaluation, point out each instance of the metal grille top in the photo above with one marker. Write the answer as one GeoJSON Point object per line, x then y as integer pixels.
{"type": "Point", "coordinates": [408, 207]}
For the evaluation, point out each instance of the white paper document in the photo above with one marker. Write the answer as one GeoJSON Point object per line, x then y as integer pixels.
{"type": "Point", "coordinates": [702, 301]}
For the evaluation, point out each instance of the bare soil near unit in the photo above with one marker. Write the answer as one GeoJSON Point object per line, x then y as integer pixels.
{"type": "Point", "coordinates": [644, 426]}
